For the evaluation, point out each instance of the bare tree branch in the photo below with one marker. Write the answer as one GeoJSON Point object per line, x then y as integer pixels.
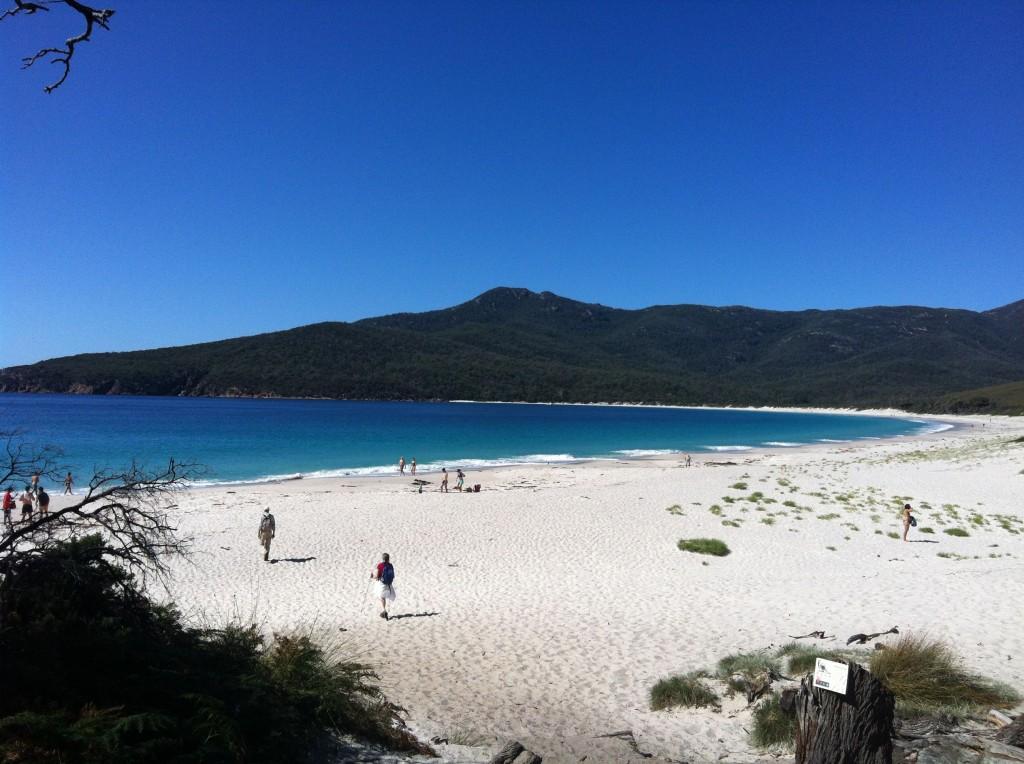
{"type": "Point", "coordinates": [129, 509]}
{"type": "Point", "coordinates": [21, 459]}
{"type": "Point", "coordinates": [93, 17]}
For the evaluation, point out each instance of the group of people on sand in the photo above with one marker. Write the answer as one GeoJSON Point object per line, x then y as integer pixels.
{"type": "Point", "coordinates": [383, 574]}
{"type": "Point", "coordinates": [460, 476]}
{"type": "Point", "coordinates": [33, 499]}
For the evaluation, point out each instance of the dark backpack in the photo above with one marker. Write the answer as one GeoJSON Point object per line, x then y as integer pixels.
{"type": "Point", "coordinates": [387, 574]}
{"type": "Point", "coordinates": [913, 521]}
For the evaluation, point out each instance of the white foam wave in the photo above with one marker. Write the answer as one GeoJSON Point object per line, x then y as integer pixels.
{"type": "Point", "coordinates": [781, 443]}
{"type": "Point", "coordinates": [728, 448]}
{"type": "Point", "coordinates": [932, 427]}
{"type": "Point", "coordinates": [392, 470]}
{"type": "Point", "coordinates": [831, 440]}
{"type": "Point", "coordinates": [636, 452]}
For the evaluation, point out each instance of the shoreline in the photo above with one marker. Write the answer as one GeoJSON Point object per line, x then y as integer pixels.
{"type": "Point", "coordinates": [963, 421]}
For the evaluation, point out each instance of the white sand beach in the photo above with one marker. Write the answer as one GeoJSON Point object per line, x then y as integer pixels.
{"type": "Point", "coordinates": [544, 607]}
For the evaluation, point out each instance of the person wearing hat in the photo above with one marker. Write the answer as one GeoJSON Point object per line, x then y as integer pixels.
{"type": "Point", "coordinates": [267, 531]}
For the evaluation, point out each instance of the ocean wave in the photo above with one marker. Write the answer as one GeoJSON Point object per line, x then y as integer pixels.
{"type": "Point", "coordinates": [391, 470]}
{"type": "Point", "coordinates": [831, 440]}
{"type": "Point", "coordinates": [727, 448]}
{"type": "Point", "coordinates": [635, 452]}
{"type": "Point", "coordinates": [781, 443]}
{"type": "Point", "coordinates": [933, 427]}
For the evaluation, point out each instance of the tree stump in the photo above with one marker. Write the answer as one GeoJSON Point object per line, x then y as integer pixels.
{"type": "Point", "coordinates": [855, 728]}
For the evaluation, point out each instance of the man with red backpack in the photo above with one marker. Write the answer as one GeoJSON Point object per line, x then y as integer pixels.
{"type": "Point", "coordinates": [384, 576]}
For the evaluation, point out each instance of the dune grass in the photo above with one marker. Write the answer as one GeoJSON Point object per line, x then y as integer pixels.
{"type": "Point", "coordinates": [713, 547]}
{"type": "Point", "coordinates": [800, 657]}
{"type": "Point", "coordinates": [687, 690]}
{"type": "Point", "coordinates": [772, 726]}
{"type": "Point", "coordinates": [925, 529]}
{"type": "Point", "coordinates": [926, 676]}
{"type": "Point", "coordinates": [749, 665]}
{"type": "Point", "coordinates": [960, 532]}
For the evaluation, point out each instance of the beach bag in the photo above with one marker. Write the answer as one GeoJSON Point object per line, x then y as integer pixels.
{"type": "Point", "coordinates": [913, 521]}
{"type": "Point", "coordinates": [387, 574]}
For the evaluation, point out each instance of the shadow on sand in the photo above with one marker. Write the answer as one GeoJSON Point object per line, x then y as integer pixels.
{"type": "Point", "coordinates": [291, 559]}
{"type": "Point", "coordinates": [922, 541]}
{"type": "Point", "coordinates": [411, 615]}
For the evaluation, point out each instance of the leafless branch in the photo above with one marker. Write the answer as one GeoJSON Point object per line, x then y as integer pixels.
{"type": "Point", "coordinates": [21, 460]}
{"type": "Point", "coordinates": [129, 509]}
{"type": "Point", "coordinates": [93, 17]}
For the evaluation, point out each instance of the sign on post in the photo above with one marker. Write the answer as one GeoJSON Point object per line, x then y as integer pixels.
{"type": "Point", "coordinates": [831, 676]}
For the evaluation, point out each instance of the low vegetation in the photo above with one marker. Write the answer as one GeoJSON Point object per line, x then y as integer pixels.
{"type": "Point", "coordinates": [772, 728]}
{"type": "Point", "coordinates": [687, 690]}
{"type": "Point", "coordinates": [927, 677]}
{"type": "Point", "coordinates": [104, 674]}
{"type": "Point", "coordinates": [713, 547]}
{"type": "Point", "coordinates": [956, 532]}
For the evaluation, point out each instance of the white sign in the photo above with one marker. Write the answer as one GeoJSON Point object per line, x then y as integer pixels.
{"type": "Point", "coordinates": [831, 676]}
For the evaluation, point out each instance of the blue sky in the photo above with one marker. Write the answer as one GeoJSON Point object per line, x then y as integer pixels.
{"type": "Point", "coordinates": [217, 169]}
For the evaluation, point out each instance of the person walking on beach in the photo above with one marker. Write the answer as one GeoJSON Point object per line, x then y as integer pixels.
{"type": "Point", "coordinates": [688, 461]}
{"type": "Point", "coordinates": [413, 465]}
{"type": "Point", "coordinates": [26, 504]}
{"type": "Point", "coordinates": [401, 465]}
{"type": "Point", "coordinates": [43, 500]}
{"type": "Point", "coordinates": [460, 478]}
{"type": "Point", "coordinates": [8, 506]}
{"type": "Point", "coordinates": [384, 577]}
{"type": "Point", "coordinates": [908, 520]}
{"type": "Point", "coordinates": [267, 531]}
{"type": "Point", "coordinates": [68, 482]}
{"type": "Point", "coordinates": [444, 479]}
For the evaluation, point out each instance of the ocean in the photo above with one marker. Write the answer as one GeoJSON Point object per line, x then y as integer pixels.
{"type": "Point", "coordinates": [246, 440]}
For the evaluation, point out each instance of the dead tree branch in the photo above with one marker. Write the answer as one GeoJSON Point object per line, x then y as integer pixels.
{"type": "Point", "coordinates": [93, 17]}
{"type": "Point", "coordinates": [130, 509]}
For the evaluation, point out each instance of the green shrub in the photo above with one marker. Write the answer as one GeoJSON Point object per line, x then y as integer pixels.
{"type": "Point", "coordinates": [683, 690]}
{"type": "Point", "coordinates": [715, 510]}
{"type": "Point", "coordinates": [956, 532]}
{"type": "Point", "coordinates": [731, 523]}
{"type": "Point", "coordinates": [925, 675]}
{"type": "Point", "coordinates": [739, 486]}
{"type": "Point", "coordinates": [772, 726]}
{"type": "Point", "coordinates": [704, 546]}
{"type": "Point", "coordinates": [141, 687]}
{"type": "Point", "coordinates": [925, 529]}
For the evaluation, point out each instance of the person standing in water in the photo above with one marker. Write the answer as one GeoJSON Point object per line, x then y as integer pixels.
{"type": "Point", "coordinates": [267, 531]}
{"type": "Point", "coordinates": [908, 520]}
{"type": "Point", "coordinates": [413, 464]}
{"type": "Point", "coordinates": [401, 465]}
{"type": "Point", "coordinates": [384, 578]}
{"type": "Point", "coordinates": [68, 482]}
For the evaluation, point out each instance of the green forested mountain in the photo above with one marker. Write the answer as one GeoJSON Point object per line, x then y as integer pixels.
{"type": "Point", "coordinates": [514, 344]}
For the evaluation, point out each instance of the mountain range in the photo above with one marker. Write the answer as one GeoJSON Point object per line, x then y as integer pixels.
{"type": "Point", "coordinates": [515, 344]}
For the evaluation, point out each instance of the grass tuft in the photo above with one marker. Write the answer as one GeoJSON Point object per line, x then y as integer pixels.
{"type": "Point", "coordinates": [926, 529]}
{"type": "Point", "coordinates": [926, 676]}
{"type": "Point", "coordinates": [683, 690]}
{"type": "Point", "coordinates": [749, 665]}
{"type": "Point", "coordinates": [956, 532]}
{"type": "Point", "coordinates": [773, 727]}
{"type": "Point", "coordinates": [704, 546]}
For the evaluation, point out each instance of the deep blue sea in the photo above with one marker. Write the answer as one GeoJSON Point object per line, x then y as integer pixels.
{"type": "Point", "coordinates": [248, 440]}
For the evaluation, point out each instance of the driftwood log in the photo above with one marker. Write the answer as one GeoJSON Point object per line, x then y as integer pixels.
{"type": "Point", "coordinates": [855, 728]}
{"type": "Point", "coordinates": [514, 753]}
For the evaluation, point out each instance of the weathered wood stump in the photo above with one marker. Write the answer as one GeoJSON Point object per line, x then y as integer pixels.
{"type": "Point", "coordinates": [855, 728]}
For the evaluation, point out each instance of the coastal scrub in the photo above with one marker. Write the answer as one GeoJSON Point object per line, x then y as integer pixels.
{"type": "Point", "coordinates": [713, 547]}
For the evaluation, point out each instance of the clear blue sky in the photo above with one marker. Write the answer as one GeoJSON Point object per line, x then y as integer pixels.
{"type": "Point", "coordinates": [217, 169]}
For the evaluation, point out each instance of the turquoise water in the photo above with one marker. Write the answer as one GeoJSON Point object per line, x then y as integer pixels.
{"type": "Point", "coordinates": [246, 440]}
